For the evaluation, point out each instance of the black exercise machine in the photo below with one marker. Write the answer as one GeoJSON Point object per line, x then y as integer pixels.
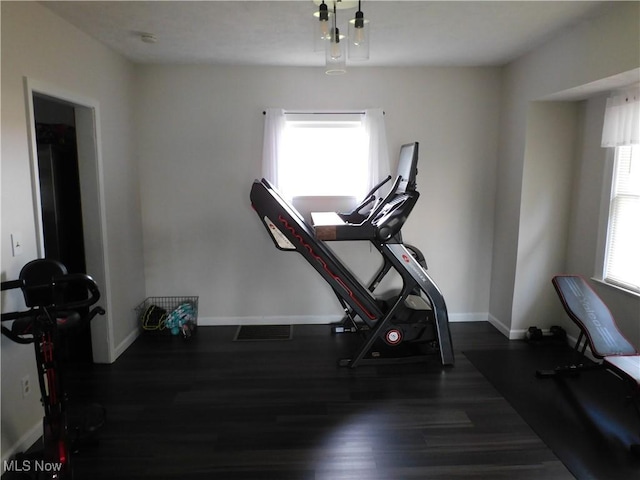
{"type": "Point", "coordinates": [599, 332]}
{"type": "Point", "coordinates": [336, 226]}
{"type": "Point", "coordinates": [57, 302]}
{"type": "Point", "coordinates": [404, 328]}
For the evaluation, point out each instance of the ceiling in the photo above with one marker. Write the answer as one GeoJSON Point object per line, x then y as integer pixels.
{"type": "Point", "coordinates": [279, 33]}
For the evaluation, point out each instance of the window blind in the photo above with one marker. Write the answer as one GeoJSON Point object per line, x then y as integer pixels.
{"type": "Point", "coordinates": [622, 265]}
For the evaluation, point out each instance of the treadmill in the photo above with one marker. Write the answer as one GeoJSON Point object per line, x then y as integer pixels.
{"type": "Point", "coordinates": [411, 325]}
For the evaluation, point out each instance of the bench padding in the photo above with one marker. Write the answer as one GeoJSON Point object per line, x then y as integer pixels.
{"type": "Point", "coordinates": [626, 365]}
{"type": "Point", "coordinates": [593, 317]}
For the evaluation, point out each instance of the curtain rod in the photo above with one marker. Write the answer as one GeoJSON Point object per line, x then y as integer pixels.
{"type": "Point", "coordinates": [324, 113]}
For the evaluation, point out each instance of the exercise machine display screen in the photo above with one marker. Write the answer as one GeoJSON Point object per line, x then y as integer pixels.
{"type": "Point", "coordinates": [407, 167]}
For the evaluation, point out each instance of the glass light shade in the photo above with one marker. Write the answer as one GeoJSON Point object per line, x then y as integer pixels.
{"type": "Point", "coordinates": [335, 55]}
{"type": "Point", "coordinates": [321, 34]}
{"type": "Point", "coordinates": [358, 38]}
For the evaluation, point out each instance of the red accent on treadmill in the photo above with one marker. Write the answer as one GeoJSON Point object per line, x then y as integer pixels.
{"type": "Point", "coordinates": [53, 390]}
{"type": "Point", "coordinates": [62, 451]}
{"type": "Point", "coordinates": [324, 265]}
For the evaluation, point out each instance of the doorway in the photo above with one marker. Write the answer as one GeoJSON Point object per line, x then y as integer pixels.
{"type": "Point", "coordinates": [61, 203]}
{"type": "Point", "coordinates": [69, 200]}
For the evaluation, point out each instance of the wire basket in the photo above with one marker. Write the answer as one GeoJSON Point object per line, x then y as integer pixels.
{"type": "Point", "coordinates": [169, 315]}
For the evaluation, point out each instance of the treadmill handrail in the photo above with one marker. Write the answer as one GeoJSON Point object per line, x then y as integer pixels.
{"type": "Point", "coordinates": [368, 198]}
{"type": "Point", "coordinates": [392, 193]}
{"type": "Point", "coordinates": [378, 186]}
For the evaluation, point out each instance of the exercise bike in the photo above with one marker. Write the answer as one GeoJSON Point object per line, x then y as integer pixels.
{"type": "Point", "coordinates": [57, 301]}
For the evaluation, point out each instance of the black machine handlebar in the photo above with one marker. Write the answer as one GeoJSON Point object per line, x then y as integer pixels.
{"type": "Point", "coordinates": [355, 216]}
{"type": "Point", "coordinates": [377, 187]}
{"type": "Point", "coordinates": [384, 201]}
{"type": "Point", "coordinates": [370, 197]}
{"type": "Point", "coordinates": [76, 279]}
{"type": "Point", "coordinates": [71, 278]}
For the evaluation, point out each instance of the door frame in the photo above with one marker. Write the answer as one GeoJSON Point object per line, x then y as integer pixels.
{"type": "Point", "coordinates": [87, 113]}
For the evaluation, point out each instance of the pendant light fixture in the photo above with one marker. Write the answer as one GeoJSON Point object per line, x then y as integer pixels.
{"type": "Point", "coordinates": [327, 35]}
{"type": "Point", "coordinates": [359, 36]}
{"type": "Point", "coordinates": [335, 51]}
{"type": "Point", "coordinates": [322, 27]}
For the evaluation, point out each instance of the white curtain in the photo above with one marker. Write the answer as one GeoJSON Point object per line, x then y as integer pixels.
{"type": "Point", "coordinates": [274, 124]}
{"type": "Point", "coordinates": [622, 119]}
{"type": "Point", "coordinates": [373, 121]}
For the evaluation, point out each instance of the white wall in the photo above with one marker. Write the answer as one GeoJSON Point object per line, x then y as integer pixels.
{"type": "Point", "coordinates": [592, 182]}
{"type": "Point", "coordinates": [200, 137]}
{"type": "Point", "coordinates": [547, 181]}
{"type": "Point", "coordinates": [595, 50]}
{"type": "Point", "coordinates": [40, 46]}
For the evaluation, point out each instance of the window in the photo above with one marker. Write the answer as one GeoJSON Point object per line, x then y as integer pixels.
{"type": "Point", "coordinates": [323, 156]}
{"type": "Point", "coordinates": [622, 257]}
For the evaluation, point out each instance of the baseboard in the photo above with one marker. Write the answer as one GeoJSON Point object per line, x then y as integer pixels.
{"type": "Point", "coordinates": [502, 328]}
{"type": "Point", "coordinates": [520, 334]}
{"type": "Point", "coordinates": [24, 443]}
{"type": "Point", "coordinates": [506, 330]}
{"type": "Point", "coordinates": [311, 319]}
{"type": "Point", "coordinates": [126, 343]}
{"type": "Point", "coordinates": [468, 317]}
{"type": "Point", "coordinates": [270, 320]}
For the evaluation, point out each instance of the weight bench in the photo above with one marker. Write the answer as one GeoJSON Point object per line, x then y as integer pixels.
{"type": "Point", "coordinates": [599, 332]}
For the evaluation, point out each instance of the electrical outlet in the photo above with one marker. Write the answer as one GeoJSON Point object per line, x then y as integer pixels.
{"type": "Point", "coordinates": [26, 386]}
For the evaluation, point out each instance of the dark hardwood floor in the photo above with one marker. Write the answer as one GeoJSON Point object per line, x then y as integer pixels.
{"type": "Point", "coordinates": [212, 408]}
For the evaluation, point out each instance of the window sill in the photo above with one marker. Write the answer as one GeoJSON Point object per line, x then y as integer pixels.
{"type": "Point", "coordinates": [616, 287]}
